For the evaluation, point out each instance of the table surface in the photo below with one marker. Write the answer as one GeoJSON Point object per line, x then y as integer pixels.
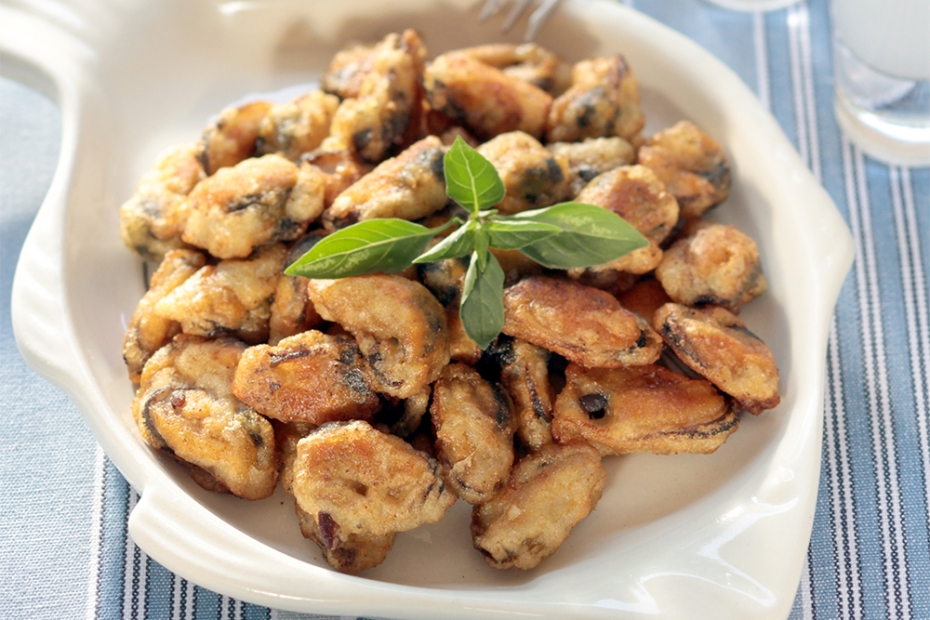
{"type": "Point", "coordinates": [64, 552]}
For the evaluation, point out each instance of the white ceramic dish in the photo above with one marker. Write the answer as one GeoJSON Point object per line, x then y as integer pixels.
{"type": "Point", "coordinates": [726, 532]}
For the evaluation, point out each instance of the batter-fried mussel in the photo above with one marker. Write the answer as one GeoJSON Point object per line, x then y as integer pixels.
{"type": "Point", "coordinates": [691, 164]}
{"type": "Point", "coordinates": [384, 111]}
{"type": "Point", "coordinates": [185, 407]}
{"type": "Point", "coordinates": [716, 265]}
{"type": "Point", "coordinates": [231, 138]}
{"type": "Point", "coordinates": [298, 126]}
{"type": "Point", "coordinates": [258, 201]}
{"type": "Point", "coordinates": [358, 487]}
{"type": "Point", "coordinates": [641, 409]}
{"type": "Point", "coordinates": [232, 297]}
{"type": "Point", "coordinates": [714, 343]}
{"type": "Point", "coordinates": [148, 331]}
{"type": "Point", "coordinates": [602, 101]}
{"type": "Point", "coordinates": [484, 98]}
{"type": "Point", "coordinates": [291, 310]}
{"type": "Point", "coordinates": [583, 324]}
{"type": "Point", "coordinates": [409, 186]}
{"type": "Point", "coordinates": [547, 494]}
{"type": "Point", "coordinates": [474, 433]}
{"type": "Point", "coordinates": [533, 177]}
{"type": "Point", "coordinates": [399, 326]}
{"type": "Point", "coordinates": [635, 194]}
{"type": "Point", "coordinates": [524, 372]}
{"type": "Point", "coordinates": [591, 157]}
{"type": "Point", "coordinates": [152, 220]}
{"type": "Point", "coordinates": [309, 377]}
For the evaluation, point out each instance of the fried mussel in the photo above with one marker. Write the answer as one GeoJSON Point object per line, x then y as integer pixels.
{"type": "Point", "coordinates": [365, 396]}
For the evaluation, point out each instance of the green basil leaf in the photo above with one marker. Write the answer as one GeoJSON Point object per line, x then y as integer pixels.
{"type": "Point", "coordinates": [591, 235]}
{"type": "Point", "coordinates": [508, 234]}
{"type": "Point", "coordinates": [482, 307]}
{"type": "Point", "coordinates": [459, 243]}
{"type": "Point", "coordinates": [471, 180]}
{"type": "Point", "coordinates": [379, 245]}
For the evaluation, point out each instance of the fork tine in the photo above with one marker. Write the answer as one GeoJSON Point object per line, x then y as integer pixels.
{"type": "Point", "coordinates": [539, 17]}
{"type": "Point", "coordinates": [491, 7]}
{"type": "Point", "coordinates": [518, 8]}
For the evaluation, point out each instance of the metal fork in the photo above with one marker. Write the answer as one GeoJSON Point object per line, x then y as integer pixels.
{"type": "Point", "coordinates": [539, 15]}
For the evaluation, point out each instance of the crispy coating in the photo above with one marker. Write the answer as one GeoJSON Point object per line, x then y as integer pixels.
{"type": "Point", "coordinates": [461, 347]}
{"type": "Point", "coordinates": [230, 139]}
{"type": "Point", "coordinates": [603, 101]}
{"type": "Point", "coordinates": [716, 265]}
{"type": "Point", "coordinates": [409, 186]}
{"type": "Point", "coordinates": [309, 377]}
{"type": "Point", "coordinates": [298, 126]}
{"type": "Point", "coordinates": [644, 298]}
{"type": "Point", "coordinates": [347, 552]}
{"type": "Point", "coordinates": [184, 407]}
{"type": "Point", "coordinates": [714, 343]}
{"type": "Point", "coordinates": [635, 194]}
{"type": "Point", "coordinates": [399, 326]}
{"type": "Point", "coordinates": [533, 177]}
{"type": "Point", "coordinates": [353, 479]}
{"type": "Point", "coordinates": [474, 433]}
{"type": "Point", "coordinates": [152, 220]}
{"type": "Point", "coordinates": [527, 61]}
{"type": "Point", "coordinates": [403, 417]}
{"type": "Point", "coordinates": [286, 438]}
{"type": "Point", "coordinates": [486, 99]}
{"type": "Point", "coordinates": [347, 70]}
{"type": "Point", "coordinates": [341, 170]}
{"type": "Point", "coordinates": [261, 200]}
{"type": "Point", "coordinates": [691, 164]}
{"type": "Point", "coordinates": [444, 279]}
{"type": "Point", "coordinates": [232, 297]}
{"type": "Point", "coordinates": [516, 265]}
{"type": "Point", "coordinates": [385, 113]}
{"type": "Point", "coordinates": [147, 330]}
{"type": "Point", "coordinates": [525, 376]}
{"type": "Point", "coordinates": [592, 157]}
{"type": "Point", "coordinates": [547, 494]}
{"type": "Point", "coordinates": [641, 409]}
{"type": "Point", "coordinates": [583, 324]}
{"type": "Point", "coordinates": [292, 312]}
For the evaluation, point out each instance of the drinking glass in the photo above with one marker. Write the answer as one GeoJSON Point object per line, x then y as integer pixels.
{"type": "Point", "coordinates": [881, 58]}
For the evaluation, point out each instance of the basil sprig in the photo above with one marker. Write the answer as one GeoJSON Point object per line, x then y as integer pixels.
{"type": "Point", "coordinates": [563, 236]}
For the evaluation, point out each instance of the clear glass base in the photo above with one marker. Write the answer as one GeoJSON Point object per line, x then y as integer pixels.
{"type": "Point", "coordinates": [886, 116]}
{"type": "Point", "coordinates": [752, 6]}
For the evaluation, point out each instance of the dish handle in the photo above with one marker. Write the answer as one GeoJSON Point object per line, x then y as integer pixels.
{"type": "Point", "coordinates": [52, 60]}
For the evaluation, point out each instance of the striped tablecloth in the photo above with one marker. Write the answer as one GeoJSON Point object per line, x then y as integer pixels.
{"type": "Point", "coordinates": [64, 552]}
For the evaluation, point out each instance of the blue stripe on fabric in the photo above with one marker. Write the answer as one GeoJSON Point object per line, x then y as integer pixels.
{"type": "Point", "coordinates": [158, 591]}
{"type": "Point", "coordinates": [206, 603]}
{"type": "Point", "coordinates": [779, 68]}
{"type": "Point", "coordinates": [254, 612]}
{"type": "Point", "coordinates": [113, 540]}
{"type": "Point", "coordinates": [904, 415]}
{"type": "Point", "coordinates": [910, 475]}
{"type": "Point", "coordinates": [920, 180]}
{"type": "Point", "coordinates": [868, 525]}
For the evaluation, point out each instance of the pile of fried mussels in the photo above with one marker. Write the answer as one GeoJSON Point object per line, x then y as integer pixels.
{"type": "Point", "coordinates": [364, 396]}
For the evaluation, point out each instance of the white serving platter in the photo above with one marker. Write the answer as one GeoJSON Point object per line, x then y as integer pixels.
{"type": "Point", "coordinates": [726, 532]}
